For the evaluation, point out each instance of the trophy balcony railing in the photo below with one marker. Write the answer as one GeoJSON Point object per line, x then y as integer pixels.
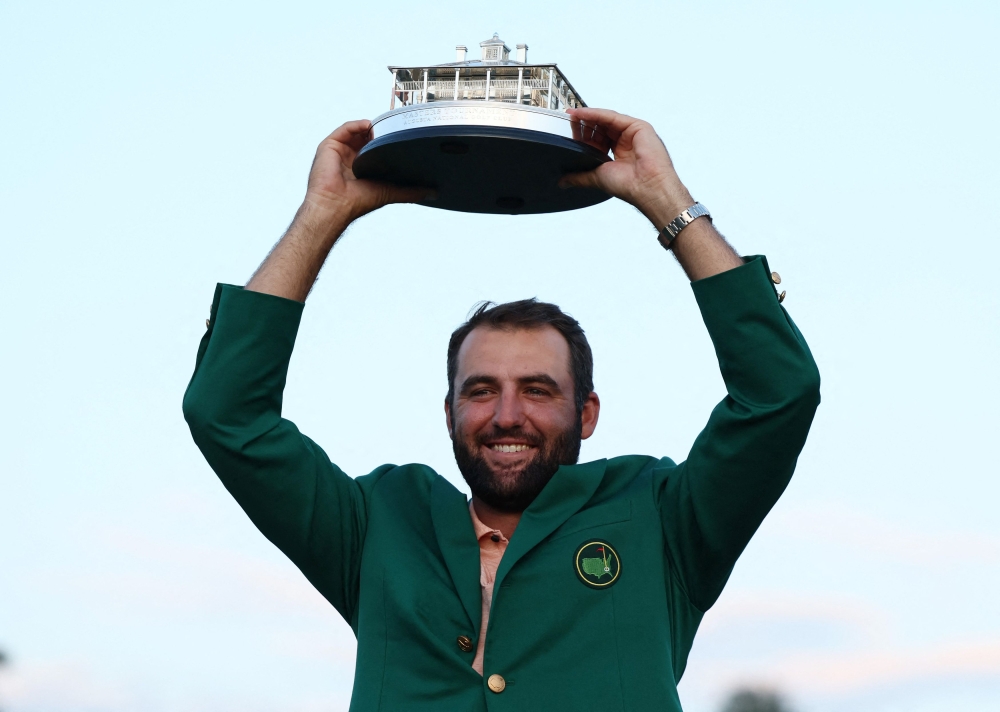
{"type": "Point", "coordinates": [544, 87]}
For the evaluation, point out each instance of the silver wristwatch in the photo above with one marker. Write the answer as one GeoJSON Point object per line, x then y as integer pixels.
{"type": "Point", "coordinates": [674, 227]}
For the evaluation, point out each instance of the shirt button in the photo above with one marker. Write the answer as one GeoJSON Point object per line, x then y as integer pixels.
{"type": "Point", "coordinates": [496, 683]}
{"type": "Point", "coordinates": [465, 643]}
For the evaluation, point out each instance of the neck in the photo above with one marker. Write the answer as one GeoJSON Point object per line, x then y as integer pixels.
{"type": "Point", "coordinates": [506, 522]}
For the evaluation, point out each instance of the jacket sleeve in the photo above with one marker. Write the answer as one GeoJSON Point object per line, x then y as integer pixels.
{"type": "Point", "coordinates": [712, 503]}
{"type": "Point", "coordinates": [284, 481]}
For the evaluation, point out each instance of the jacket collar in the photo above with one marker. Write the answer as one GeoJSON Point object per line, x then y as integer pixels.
{"type": "Point", "coordinates": [569, 489]}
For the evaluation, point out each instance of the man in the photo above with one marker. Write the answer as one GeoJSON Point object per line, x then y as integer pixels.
{"type": "Point", "coordinates": [559, 586]}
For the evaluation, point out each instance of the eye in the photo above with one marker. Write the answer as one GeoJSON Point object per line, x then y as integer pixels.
{"type": "Point", "coordinates": [536, 392]}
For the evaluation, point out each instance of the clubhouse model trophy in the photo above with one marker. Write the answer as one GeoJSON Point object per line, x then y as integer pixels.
{"type": "Point", "coordinates": [491, 135]}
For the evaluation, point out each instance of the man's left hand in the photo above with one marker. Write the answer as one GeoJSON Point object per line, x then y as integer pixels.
{"type": "Point", "coordinates": [641, 174]}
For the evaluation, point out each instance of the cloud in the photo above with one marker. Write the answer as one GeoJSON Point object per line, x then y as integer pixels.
{"type": "Point", "coordinates": [194, 578]}
{"type": "Point", "coordinates": [59, 686]}
{"type": "Point", "coordinates": [876, 668]}
{"type": "Point", "coordinates": [779, 606]}
{"type": "Point", "coordinates": [848, 673]}
{"type": "Point", "coordinates": [65, 686]}
{"type": "Point", "coordinates": [782, 640]}
{"type": "Point", "coordinates": [879, 536]}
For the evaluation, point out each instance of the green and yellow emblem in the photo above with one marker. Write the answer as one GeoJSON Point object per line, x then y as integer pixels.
{"type": "Point", "coordinates": [597, 564]}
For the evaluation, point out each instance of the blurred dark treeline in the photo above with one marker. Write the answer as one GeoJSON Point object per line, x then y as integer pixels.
{"type": "Point", "coordinates": [748, 700]}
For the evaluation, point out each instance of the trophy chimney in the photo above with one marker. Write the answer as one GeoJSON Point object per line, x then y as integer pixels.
{"type": "Point", "coordinates": [460, 53]}
{"type": "Point", "coordinates": [522, 53]}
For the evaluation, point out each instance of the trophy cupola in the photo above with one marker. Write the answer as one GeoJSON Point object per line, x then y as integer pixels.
{"type": "Point", "coordinates": [495, 49]}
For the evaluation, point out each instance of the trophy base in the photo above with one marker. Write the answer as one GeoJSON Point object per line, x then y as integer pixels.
{"type": "Point", "coordinates": [482, 168]}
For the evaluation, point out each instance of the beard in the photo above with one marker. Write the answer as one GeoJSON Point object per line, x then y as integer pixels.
{"type": "Point", "coordinates": [512, 489]}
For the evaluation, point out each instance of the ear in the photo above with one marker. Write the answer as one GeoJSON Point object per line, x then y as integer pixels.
{"type": "Point", "coordinates": [591, 412]}
{"type": "Point", "coordinates": [447, 418]}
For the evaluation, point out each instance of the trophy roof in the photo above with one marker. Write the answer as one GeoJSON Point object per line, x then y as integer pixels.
{"type": "Point", "coordinates": [492, 77]}
{"type": "Point", "coordinates": [481, 63]}
{"type": "Point", "coordinates": [494, 40]}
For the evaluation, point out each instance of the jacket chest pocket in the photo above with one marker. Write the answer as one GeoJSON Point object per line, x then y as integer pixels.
{"type": "Point", "coordinates": [551, 580]}
{"type": "Point", "coordinates": [616, 512]}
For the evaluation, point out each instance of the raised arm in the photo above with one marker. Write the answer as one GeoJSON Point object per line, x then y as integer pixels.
{"type": "Point", "coordinates": [286, 484]}
{"type": "Point", "coordinates": [712, 503]}
{"type": "Point", "coordinates": [334, 199]}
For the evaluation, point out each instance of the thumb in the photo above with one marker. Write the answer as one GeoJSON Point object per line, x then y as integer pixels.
{"type": "Point", "coordinates": [583, 179]}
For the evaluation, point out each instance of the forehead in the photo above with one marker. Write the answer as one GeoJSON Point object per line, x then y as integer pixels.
{"type": "Point", "coordinates": [514, 353]}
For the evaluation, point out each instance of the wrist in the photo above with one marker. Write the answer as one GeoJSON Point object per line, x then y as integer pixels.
{"type": "Point", "coordinates": [666, 205]}
{"type": "Point", "coordinates": [322, 218]}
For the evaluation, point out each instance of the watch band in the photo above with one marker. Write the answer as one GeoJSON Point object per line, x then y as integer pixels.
{"type": "Point", "coordinates": [674, 227]}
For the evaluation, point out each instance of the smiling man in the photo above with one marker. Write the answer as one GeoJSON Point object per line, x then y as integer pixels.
{"type": "Point", "coordinates": [514, 410]}
{"type": "Point", "coordinates": [559, 586]}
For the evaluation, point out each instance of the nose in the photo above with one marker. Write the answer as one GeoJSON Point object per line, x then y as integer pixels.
{"type": "Point", "coordinates": [508, 412]}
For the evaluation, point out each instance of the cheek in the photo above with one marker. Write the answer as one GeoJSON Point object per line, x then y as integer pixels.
{"type": "Point", "coordinates": [551, 421]}
{"type": "Point", "coordinates": [470, 418]}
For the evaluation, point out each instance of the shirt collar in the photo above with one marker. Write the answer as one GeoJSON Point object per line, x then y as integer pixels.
{"type": "Point", "coordinates": [481, 529]}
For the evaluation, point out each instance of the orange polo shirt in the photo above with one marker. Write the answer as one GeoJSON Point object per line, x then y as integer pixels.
{"type": "Point", "coordinates": [492, 545]}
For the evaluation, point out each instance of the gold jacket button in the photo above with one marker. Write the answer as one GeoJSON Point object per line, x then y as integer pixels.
{"type": "Point", "coordinates": [465, 643]}
{"type": "Point", "coordinates": [775, 277]}
{"type": "Point", "coordinates": [496, 683]}
{"type": "Point", "coordinates": [781, 297]}
{"type": "Point", "coordinates": [207, 322]}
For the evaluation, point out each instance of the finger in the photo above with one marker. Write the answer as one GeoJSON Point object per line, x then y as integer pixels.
{"type": "Point", "coordinates": [346, 141]}
{"type": "Point", "coordinates": [352, 129]}
{"type": "Point", "coordinates": [605, 118]}
{"type": "Point", "coordinates": [353, 135]}
{"type": "Point", "coordinates": [346, 151]}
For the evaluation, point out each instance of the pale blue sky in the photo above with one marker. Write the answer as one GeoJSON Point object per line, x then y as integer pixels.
{"type": "Point", "coordinates": [148, 151]}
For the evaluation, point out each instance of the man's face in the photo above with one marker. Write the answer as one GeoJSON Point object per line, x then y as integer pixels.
{"type": "Point", "coordinates": [514, 420]}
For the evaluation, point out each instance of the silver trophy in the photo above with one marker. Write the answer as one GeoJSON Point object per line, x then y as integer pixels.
{"type": "Point", "coordinates": [491, 135]}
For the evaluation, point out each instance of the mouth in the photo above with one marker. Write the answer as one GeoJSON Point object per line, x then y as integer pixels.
{"type": "Point", "coordinates": [513, 448]}
{"type": "Point", "coordinates": [510, 447]}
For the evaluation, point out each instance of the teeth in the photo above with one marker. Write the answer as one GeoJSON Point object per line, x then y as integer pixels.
{"type": "Point", "coordinates": [510, 448]}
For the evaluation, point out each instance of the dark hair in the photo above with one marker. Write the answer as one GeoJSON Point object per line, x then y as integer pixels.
{"type": "Point", "coordinates": [529, 314]}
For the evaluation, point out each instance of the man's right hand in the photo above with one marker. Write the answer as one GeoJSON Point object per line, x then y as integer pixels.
{"type": "Point", "coordinates": [333, 186]}
{"type": "Point", "coordinates": [334, 198]}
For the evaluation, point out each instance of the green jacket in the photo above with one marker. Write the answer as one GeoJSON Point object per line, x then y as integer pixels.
{"type": "Point", "coordinates": [395, 553]}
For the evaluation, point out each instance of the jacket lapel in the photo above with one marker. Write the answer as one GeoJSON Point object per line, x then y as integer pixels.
{"type": "Point", "coordinates": [569, 489]}
{"type": "Point", "coordinates": [457, 540]}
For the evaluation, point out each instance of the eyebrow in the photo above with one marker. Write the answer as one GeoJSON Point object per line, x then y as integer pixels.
{"type": "Point", "coordinates": [478, 379]}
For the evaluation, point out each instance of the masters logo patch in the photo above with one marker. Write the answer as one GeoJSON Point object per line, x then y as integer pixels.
{"type": "Point", "coordinates": [597, 564]}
